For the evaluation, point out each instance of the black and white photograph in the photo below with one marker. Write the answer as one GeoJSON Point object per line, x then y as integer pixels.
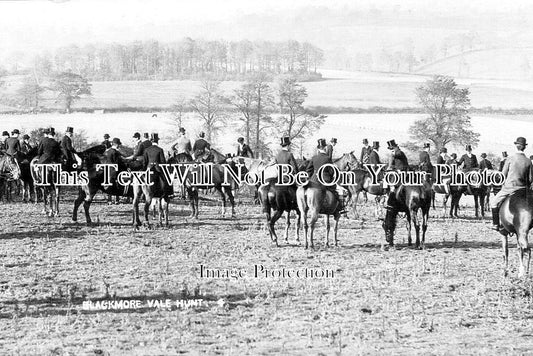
{"type": "Point", "coordinates": [245, 177]}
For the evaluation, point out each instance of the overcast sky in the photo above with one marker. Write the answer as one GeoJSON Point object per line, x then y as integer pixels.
{"type": "Point", "coordinates": [37, 24]}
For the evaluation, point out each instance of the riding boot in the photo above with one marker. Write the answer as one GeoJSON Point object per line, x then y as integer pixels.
{"type": "Point", "coordinates": [496, 219]}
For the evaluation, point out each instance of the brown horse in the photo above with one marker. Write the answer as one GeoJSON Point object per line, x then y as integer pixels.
{"type": "Point", "coordinates": [516, 216]}
{"type": "Point", "coordinates": [50, 191]}
{"type": "Point", "coordinates": [409, 199]}
{"type": "Point", "coordinates": [362, 183]}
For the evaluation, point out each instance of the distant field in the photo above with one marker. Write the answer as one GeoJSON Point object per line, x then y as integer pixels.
{"type": "Point", "coordinates": [497, 132]}
{"type": "Point", "coordinates": [339, 89]}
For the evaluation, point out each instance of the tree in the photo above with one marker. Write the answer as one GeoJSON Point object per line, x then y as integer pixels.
{"type": "Point", "coordinates": [295, 122]}
{"type": "Point", "coordinates": [209, 105]}
{"type": "Point", "coordinates": [29, 94]}
{"type": "Point", "coordinates": [70, 87]}
{"type": "Point", "coordinates": [447, 107]}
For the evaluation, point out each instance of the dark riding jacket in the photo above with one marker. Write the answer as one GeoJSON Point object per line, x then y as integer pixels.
{"type": "Point", "coordinates": [469, 163]}
{"type": "Point", "coordinates": [49, 151]}
{"type": "Point", "coordinates": [13, 146]}
{"type": "Point", "coordinates": [398, 160]}
{"type": "Point", "coordinates": [425, 162]}
{"type": "Point", "coordinates": [154, 155]}
{"type": "Point", "coordinates": [314, 165]}
{"type": "Point", "coordinates": [245, 151]}
{"type": "Point", "coordinates": [286, 157]}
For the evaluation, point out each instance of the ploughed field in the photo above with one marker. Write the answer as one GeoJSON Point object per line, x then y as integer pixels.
{"type": "Point", "coordinates": [447, 299]}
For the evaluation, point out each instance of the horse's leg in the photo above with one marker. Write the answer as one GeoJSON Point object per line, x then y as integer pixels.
{"type": "Point", "coordinates": [336, 228]}
{"type": "Point", "coordinates": [271, 224]}
{"type": "Point", "coordinates": [223, 196]}
{"type": "Point", "coordinates": [355, 214]}
{"type": "Point", "coordinates": [408, 218]}
{"type": "Point", "coordinates": [147, 202]}
{"type": "Point", "coordinates": [433, 194]}
{"type": "Point", "coordinates": [312, 223]}
{"type": "Point", "coordinates": [298, 221]}
{"type": "Point", "coordinates": [523, 250]}
{"type": "Point", "coordinates": [414, 215]}
{"type": "Point", "coordinates": [365, 196]}
{"type": "Point", "coordinates": [193, 202]}
{"type": "Point", "coordinates": [482, 202]}
{"type": "Point", "coordinates": [136, 198]}
{"type": "Point", "coordinates": [476, 204]}
{"type": "Point", "coordinates": [77, 203]}
{"type": "Point", "coordinates": [287, 225]}
{"type": "Point", "coordinates": [505, 248]}
{"type": "Point", "coordinates": [231, 201]}
{"type": "Point", "coordinates": [164, 207]}
{"type": "Point", "coordinates": [425, 216]}
{"type": "Point", "coordinates": [306, 228]}
{"type": "Point", "coordinates": [326, 218]}
{"type": "Point", "coordinates": [56, 191]}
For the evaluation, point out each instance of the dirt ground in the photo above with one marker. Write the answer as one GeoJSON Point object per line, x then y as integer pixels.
{"type": "Point", "coordinates": [448, 299]}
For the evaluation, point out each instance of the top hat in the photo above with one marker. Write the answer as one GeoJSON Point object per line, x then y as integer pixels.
{"type": "Point", "coordinates": [483, 155]}
{"type": "Point", "coordinates": [15, 131]}
{"type": "Point", "coordinates": [321, 143]}
{"type": "Point", "coordinates": [426, 145]}
{"type": "Point", "coordinates": [391, 144]}
{"type": "Point", "coordinates": [154, 115]}
{"type": "Point", "coordinates": [375, 144]}
{"type": "Point", "coordinates": [454, 155]}
{"type": "Point", "coordinates": [504, 153]}
{"type": "Point", "coordinates": [5, 133]}
{"type": "Point", "coordinates": [443, 150]}
{"type": "Point", "coordinates": [136, 135]}
{"type": "Point", "coordinates": [181, 129]}
{"type": "Point", "coordinates": [240, 139]}
{"type": "Point", "coordinates": [146, 135]}
{"type": "Point", "coordinates": [365, 141]}
{"type": "Point", "coordinates": [229, 155]}
{"type": "Point", "coordinates": [468, 147]}
{"type": "Point", "coordinates": [52, 131]}
{"type": "Point", "coordinates": [521, 141]}
{"type": "Point", "coordinates": [201, 134]}
{"type": "Point", "coordinates": [333, 140]}
{"type": "Point", "coordinates": [106, 136]}
{"type": "Point", "coordinates": [285, 141]}
{"type": "Point", "coordinates": [116, 141]}
{"type": "Point", "coordinates": [25, 137]}
{"type": "Point", "coordinates": [70, 129]}
{"type": "Point", "coordinates": [154, 137]}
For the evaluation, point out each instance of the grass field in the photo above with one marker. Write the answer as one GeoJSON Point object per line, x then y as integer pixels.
{"type": "Point", "coordinates": [449, 298]}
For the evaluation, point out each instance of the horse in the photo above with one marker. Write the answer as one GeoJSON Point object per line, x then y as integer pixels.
{"type": "Point", "coordinates": [362, 183]}
{"type": "Point", "coordinates": [516, 217]}
{"type": "Point", "coordinates": [316, 199]}
{"type": "Point", "coordinates": [217, 170]}
{"type": "Point", "coordinates": [409, 199]}
{"type": "Point", "coordinates": [90, 158]}
{"type": "Point", "coordinates": [26, 177]}
{"type": "Point", "coordinates": [9, 169]}
{"type": "Point", "coordinates": [479, 192]}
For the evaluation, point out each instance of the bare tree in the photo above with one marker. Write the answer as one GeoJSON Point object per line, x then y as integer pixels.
{"type": "Point", "coordinates": [295, 122]}
{"type": "Point", "coordinates": [209, 106]}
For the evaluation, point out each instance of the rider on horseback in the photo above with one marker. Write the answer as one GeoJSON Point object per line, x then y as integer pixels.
{"type": "Point", "coordinates": [201, 148]}
{"type": "Point", "coordinates": [138, 153]}
{"type": "Point", "coordinates": [518, 171]}
{"type": "Point", "coordinates": [284, 156]}
{"type": "Point", "coordinates": [153, 157]}
{"type": "Point", "coordinates": [397, 162]}
{"type": "Point", "coordinates": [112, 155]}
{"type": "Point", "coordinates": [182, 147]}
{"type": "Point", "coordinates": [365, 152]}
{"type": "Point", "coordinates": [318, 160]}
{"type": "Point", "coordinates": [468, 160]}
{"type": "Point", "coordinates": [25, 146]}
{"type": "Point", "coordinates": [329, 147]}
{"type": "Point", "coordinates": [244, 149]}
{"type": "Point", "coordinates": [425, 161]}
{"type": "Point", "coordinates": [373, 157]}
{"type": "Point", "coordinates": [49, 149]}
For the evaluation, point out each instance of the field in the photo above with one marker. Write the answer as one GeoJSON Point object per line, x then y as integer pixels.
{"type": "Point", "coordinates": [449, 298]}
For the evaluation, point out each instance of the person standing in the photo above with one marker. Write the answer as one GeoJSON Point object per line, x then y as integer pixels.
{"type": "Point", "coordinates": [67, 149]}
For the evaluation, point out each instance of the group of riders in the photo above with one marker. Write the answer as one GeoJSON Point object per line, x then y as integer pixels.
{"type": "Point", "coordinates": [517, 168]}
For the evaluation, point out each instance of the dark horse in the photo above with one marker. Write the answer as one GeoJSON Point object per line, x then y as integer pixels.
{"type": "Point", "coordinates": [516, 216]}
{"type": "Point", "coordinates": [479, 192]}
{"type": "Point", "coordinates": [29, 193]}
{"type": "Point", "coordinates": [90, 158]}
{"type": "Point", "coordinates": [409, 199]}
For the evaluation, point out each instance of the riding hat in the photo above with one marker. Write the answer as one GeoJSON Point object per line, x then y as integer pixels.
{"type": "Point", "coordinates": [25, 137]}
{"type": "Point", "coordinates": [240, 139]}
{"type": "Point", "coordinates": [52, 131]}
{"type": "Point", "coordinates": [444, 150]}
{"type": "Point", "coordinates": [426, 145]}
{"type": "Point", "coordinates": [15, 131]}
{"type": "Point", "coordinates": [375, 145]}
{"type": "Point", "coordinates": [136, 135]}
{"type": "Point", "coordinates": [70, 129]}
{"type": "Point", "coordinates": [454, 155]}
{"type": "Point", "coordinates": [391, 144]}
{"type": "Point", "coordinates": [333, 140]}
{"type": "Point", "coordinates": [201, 134]}
{"type": "Point", "coordinates": [116, 141]}
{"type": "Point", "coordinates": [106, 136]}
{"type": "Point", "coordinates": [154, 137]}
{"type": "Point", "coordinates": [321, 143]}
{"type": "Point", "coordinates": [285, 141]}
{"type": "Point", "coordinates": [5, 133]}
{"type": "Point", "coordinates": [483, 155]}
{"type": "Point", "coordinates": [182, 130]}
{"type": "Point", "coordinates": [521, 141]}
{"type": "Point", "coordinates": [365, 141]}
{"type": "Point", "coordinates": [504, 153]}
{"type": "Point", "coordinates": [468, 147]}
{"type": "Point", "coordinates": [146, 135]}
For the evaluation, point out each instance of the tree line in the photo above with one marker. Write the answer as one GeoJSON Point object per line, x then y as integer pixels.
{"type": "Point", "coordinates": [186, 59]}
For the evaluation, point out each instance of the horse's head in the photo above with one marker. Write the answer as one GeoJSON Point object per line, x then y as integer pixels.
{"type": "Point", "coordinates": [389, 225]}
{"type": "Point", "coordinates": [9, 167]}
{"type": "Point", "coordinates": [346, 162]}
